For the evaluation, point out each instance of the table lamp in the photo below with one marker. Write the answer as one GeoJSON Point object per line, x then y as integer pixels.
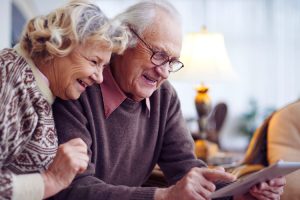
{"type": "Point", "coordinates": [205, 58]}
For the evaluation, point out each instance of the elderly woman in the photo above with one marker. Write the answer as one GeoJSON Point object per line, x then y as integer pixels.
{"type": "Point", "coordinates": [59, 54]}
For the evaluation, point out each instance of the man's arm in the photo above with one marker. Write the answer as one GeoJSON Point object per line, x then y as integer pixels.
{"type": "Point", "coordinates": [71, 122]}
{"type": "Point", "coordinates": [189, 176]}
{"type": "Point", "coordinates": [177, 155]}
{"type": "Point", "coordinates": [182, 169]}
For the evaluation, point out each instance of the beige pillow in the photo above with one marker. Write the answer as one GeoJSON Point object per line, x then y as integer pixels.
{"type": "Point", "coordinates": [284, 143]}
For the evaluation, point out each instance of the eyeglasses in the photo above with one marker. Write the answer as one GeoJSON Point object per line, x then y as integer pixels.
{"type": "Point", "coordinates": [159, 58]}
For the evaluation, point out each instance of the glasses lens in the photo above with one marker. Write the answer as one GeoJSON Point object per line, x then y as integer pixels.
{"type": "Point", "coordinates": [175, 65]}
{"type": "Point", "coordinates": [159, 58]}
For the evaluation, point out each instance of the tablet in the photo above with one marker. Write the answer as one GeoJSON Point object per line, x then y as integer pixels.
{"type": "Point", "coordinates": [243, 184]}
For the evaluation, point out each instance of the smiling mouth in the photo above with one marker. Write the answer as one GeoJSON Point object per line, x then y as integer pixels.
{"type": "Point", "coordinates": [150, 79]}
{"type": "Point", "coordinates": [82, 83]}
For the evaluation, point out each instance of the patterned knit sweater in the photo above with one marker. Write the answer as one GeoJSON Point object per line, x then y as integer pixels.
{"type": "Point", "coordinates": [28, 140]}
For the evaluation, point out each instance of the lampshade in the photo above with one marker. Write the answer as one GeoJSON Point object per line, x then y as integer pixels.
{"type": "Point", "coordinates": [205, 58]}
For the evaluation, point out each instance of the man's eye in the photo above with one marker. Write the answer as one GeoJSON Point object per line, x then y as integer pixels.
{"type": "Point", "coordinates": [160, 56]}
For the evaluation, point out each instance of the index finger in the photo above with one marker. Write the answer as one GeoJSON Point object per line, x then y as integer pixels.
{"type": "Point", "coordinates": [215, 175]}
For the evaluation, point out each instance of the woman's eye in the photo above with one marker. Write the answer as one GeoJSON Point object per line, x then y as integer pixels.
{"type": "Point", "coordinates": [94, 62]}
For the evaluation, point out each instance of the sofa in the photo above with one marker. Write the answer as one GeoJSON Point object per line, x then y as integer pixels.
{"type": "Point", "coordinates": [277, 138]}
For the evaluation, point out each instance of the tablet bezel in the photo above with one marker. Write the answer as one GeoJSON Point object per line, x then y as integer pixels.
{"type": "Point", "coordinates": [243, 184]}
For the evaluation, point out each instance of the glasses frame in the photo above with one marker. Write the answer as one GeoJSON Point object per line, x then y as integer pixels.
{"type": "Point", "coordinates": [152, 59]}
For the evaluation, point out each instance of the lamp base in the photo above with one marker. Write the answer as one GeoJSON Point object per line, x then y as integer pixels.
{"type": "Point", "coordinates": [203, 107]}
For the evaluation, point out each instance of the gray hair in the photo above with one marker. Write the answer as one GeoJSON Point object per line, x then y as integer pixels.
{"type": "Point", "coordinates": [78, 22]}
{"type": "Point", "coordinates": [141, 15]}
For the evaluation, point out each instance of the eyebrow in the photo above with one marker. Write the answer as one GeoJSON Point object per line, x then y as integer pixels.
{"type": "Point", "coordinates": [99, 60]}
{"type": "Point", "coordinates": [152, 47]}
{"type": "Point", "coordinates": [165, 50]}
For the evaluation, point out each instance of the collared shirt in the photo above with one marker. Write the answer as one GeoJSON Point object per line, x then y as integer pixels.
{"type": "Point", "coordinates": [112, 94]}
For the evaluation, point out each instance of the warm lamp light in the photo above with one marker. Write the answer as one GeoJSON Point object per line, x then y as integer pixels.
{"type": "Point", "coordinates": [205, 59]}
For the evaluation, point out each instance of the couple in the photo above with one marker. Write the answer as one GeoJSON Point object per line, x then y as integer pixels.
{"type": "Point", "coordinates": [115, 133]}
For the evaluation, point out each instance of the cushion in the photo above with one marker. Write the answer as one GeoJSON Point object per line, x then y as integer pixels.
{"type": "Point", "coordinates": [284, 143]}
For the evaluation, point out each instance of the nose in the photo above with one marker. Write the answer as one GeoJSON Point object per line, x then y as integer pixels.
{"type": "Point", "coordinates": [163, 70]}
{"type": "Point", "coordinates": [98, 75]}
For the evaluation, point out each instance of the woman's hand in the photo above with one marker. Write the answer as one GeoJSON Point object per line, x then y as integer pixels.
{"type": "Point", "coordinates": [71, 158]}
{"type": "Point", "coordinates": [270, 190]}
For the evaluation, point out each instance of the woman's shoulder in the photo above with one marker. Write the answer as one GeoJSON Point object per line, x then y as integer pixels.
{"type": "Point", "coordinates": [15, 74]}
{"type": "Point", "coordinates": [8, 55]}
{"type": "Point", "coordinates": [11, 62]}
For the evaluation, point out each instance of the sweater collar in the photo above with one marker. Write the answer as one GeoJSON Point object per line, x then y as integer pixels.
{"type": "Point", "coordinates": [41, 80]}
{"type": "Point", "coordinates": [112, 94]}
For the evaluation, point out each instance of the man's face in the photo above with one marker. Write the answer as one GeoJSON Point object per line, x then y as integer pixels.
{"type": "Point", "coordinates": [134, 72]}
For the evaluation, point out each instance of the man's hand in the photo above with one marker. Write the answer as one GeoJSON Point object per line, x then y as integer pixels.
{"type": "Point", "coordinates": [71, 158]}
{"type": "Point", "coordinates": [197, 184]}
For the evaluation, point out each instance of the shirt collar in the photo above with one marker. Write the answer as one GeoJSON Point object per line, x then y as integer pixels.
{"type": "Point", "coordinates": [112, 94]}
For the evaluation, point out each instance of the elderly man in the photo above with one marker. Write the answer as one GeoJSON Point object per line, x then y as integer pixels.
{"type": "Point", "coordinates": [132, 121]}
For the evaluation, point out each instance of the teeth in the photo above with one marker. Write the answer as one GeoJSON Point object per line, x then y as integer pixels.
{"type": "Point", "coordinates": [82, 83]}
{"type": "Point", "coordinates": [150, 79]}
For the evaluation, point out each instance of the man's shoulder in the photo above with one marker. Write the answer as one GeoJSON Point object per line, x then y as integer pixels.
{"type": "Point", "coordinates": [95, 88]}
{"type": "Point", "coordinates": [165, 93]}
{"type": "Point", "coordinates": [92, 92]}
{"type": "Point", "coordinates": [167, 87]}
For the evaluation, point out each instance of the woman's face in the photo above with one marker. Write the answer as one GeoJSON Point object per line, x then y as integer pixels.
{"type": "Point", "coordinates": [69, 76]}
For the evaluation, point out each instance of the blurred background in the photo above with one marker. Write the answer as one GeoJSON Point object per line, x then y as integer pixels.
{"type": "Point", "coordinates": [262, 43]}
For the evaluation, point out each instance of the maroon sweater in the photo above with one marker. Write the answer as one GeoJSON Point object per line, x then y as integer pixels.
{"type": "Point", "coordinates": [125, 147]}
